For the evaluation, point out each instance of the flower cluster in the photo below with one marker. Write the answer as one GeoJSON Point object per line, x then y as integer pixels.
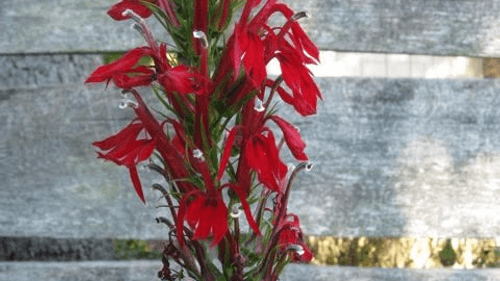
{"type": "Point", "coordinates": [214, 145]}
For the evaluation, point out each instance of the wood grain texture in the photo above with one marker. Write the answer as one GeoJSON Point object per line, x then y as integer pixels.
{"type": "Point", "coordinates": [448, 27]}
{"type": "Point", "coordinates": [55, 26]}
{"type": "Point", "coordinates": [50, 249]}
{"type": "Point", "coordinates": [146, 270]}
{"type": "Point", "coordinates": [394, 157]}
{"type": "Point", "coordinates": [402, 157]}
{"type": "Point", "coordinates": [464, 27]}
{"type": "Point", "coordinates": [52, 183]}
{"type": "Point", "coordinates": [42, 70]}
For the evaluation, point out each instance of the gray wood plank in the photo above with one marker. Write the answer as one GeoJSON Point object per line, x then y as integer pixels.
{"type": "Point", "coordinates": [52, 183]}
{"type": "Point", "coordinates": [394, 157]}
{"type": "Point", "coordinates": [448, 27]}
{"type": "Point", "coordinates": [50, 249]}
{"type": "Point", "coordinates": [402, 157]}
{"type": "Point", "coordinates": [41, 70]}
{"type": "Point", "coordinates": [297, 272]}
{"type": "Point", "coordinates": [54, 26]}
{"type": "Point", "coordinates": [147, 270]}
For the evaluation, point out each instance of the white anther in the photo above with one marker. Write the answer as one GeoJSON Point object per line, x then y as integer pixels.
{"type": "Point", "coordinates": [259, 107]}
{"type": "Point", "coordinates": [198, 34]}
{"type": "Point", "coordinates": [133, 15]}
{"type": "Point", "coordinates": [198, 154]}
{"type": "Point", "coordinates": [127, 103]}
{"type": "Point", "coordinates": [235, 212]}
{"type": "Point", "coordinates": [309, 166]}
{"type": "Point", "coordinates": [297, 248]}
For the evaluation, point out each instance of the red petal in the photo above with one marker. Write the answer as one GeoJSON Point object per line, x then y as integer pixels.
{"type": "Point", "coordinates": [279, 168]}
{"type": "Point", "coordinates": [116, 11]}
{"type": "Point", "coordinates": [137, 183]}
{"type": "Point", "coordinates": [254, 60]}
{"type": "Point", "coordinates": [179, 222]}
{"type": "Point", "coordinates": [259, 159]}
{"type": "Point", "coordinates": [292, 138]}
{"type": "Point", "coordinates": [246, 208]}
{"type": "Point", "coordinates": [204, 226]}
{"type": "Point", "coordinates": [285, 96]}
{"type": "Point", "coordinates": [227, 152]}
{"type": "Point", "coordinates": [305, 41]}
{"type": "Point", "coordinates": [122, 65]}
{"type": "Point", "coordinates": [193, 211]}
{"type": "Point", "coordinates": [124, 81]}
{"type": "Point", "coordinates": [219, 224]}
{"type": "Point", "coordinates": [146, 150]}
{"type": "Point", "coordinates": [132, 130]}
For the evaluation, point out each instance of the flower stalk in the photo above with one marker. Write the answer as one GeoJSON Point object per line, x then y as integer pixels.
{"type": "Point", "coordinates": [212, 140]}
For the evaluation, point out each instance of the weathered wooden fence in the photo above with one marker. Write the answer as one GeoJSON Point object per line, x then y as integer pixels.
{"type": "Point", "coordinates": [394, 157]}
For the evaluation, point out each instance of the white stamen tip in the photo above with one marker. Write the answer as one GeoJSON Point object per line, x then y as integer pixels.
{"type": "Point", "coordinates": [309, 166]}
{"type": "Point", "coordinates": [235, 212]}
{"type": "Point", "coordinates": [127, 12]}
{"type": "Point", "coordinates": [127, 103]}
{"type": "Point", "coordinates": [198, 154]}
{"type": "Point", "coordinates": [198, 34]}
{"type": "Point", "coordinates": [133, 15]}
{"type": "Point", "coordinates": [259, 107]}
{"type": "Point", "coordinates": [297, 248]}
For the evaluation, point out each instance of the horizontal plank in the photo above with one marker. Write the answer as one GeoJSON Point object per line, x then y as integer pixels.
{"type": "Point", "coordinates": [41, 70]}
{"type": "Point", "coordinates": [402, 157]}
{"type": "Point", "coordinates": [81, 271]}
{"type": "Point", "coordinates": [330, 273]}
{"type": "Point", "coordinates": [394, 157]}
{"type": "Point", "coordinates": [147, 270]}
{"type": "Point", "coordinates": [55, 26]}
{"type": "Point", "coordinates": [52, 183]}
{"type": "Point", "coordinates": [448, 27]}
{"type": "Point", "coordinates": [50, 249]}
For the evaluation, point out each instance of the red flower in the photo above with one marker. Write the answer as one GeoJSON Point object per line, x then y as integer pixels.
{"type": "Point", "coordinates": [291, 237]}
{"type": "Point", "coordinates": [173, 158]}
{"type": "Point", "coordinates": [206, 213]}
{"type": "Point", "coordinates": [248, 47]}
{"type": "Point", "coordinates": [116, 11]}
{"type": "Point", "coordinates": [299, 78]}
{"type": "Point", "coordinates": [292, 138]}
{"type": "Point", "coordinates": [181, 79]}
{"type": "Point", "coordinates": [124, 72]}
{"type": "Point", "coordinates": [262, 155]}
{"type": "Point", "coordinates": [245, 45]}
{"type": "Point", "coordinates": [127, 149]}
{"type": "Point", "coordinates": [294, 50]}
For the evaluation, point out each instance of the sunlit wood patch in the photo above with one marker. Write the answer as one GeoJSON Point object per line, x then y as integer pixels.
{"type": "Point", "coordinates": [406, 252]}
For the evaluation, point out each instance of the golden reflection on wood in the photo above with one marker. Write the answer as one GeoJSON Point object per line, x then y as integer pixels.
{"type": "Point", "coordinates": [406, 252]}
